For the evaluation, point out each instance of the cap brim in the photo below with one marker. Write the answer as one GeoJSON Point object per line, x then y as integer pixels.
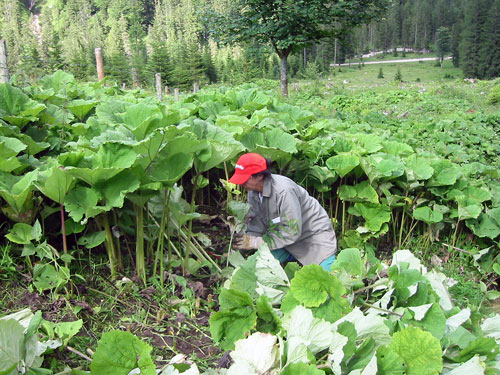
{"type": "Point", "coordinates": [239, 178]}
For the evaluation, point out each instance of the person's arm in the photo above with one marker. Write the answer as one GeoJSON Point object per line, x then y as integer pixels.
{"type": "Point", "coordinates": [286, 229]}
{"type": "Point", "coordinates": [255, 226]}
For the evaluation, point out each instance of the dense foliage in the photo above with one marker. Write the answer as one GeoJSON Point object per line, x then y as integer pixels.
{"type": "Point", "coordinates": [112, 159]}
{"type": "Point", "coordinates": [88, 169]}
{"type": "Point", "coordinates": [175, 38]}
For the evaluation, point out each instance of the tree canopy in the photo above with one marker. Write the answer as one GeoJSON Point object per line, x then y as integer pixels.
{"type": "Point", "coordinates": [290, 25]}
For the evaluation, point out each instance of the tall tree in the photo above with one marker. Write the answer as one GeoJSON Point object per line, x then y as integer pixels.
{"type": "Point", "coordinates": [455, 43]}
{"type": "Point", "coordinates": [293, 25]}
{"type": "Point", "coordinates": [11, 29]}
{"type": "Point", "coordinates": [474, 20]}
{"type": "Point", "coordinates": [489, 61]}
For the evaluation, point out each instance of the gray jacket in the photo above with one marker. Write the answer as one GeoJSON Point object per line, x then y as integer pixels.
{"type": "Point", "coordinates": [288, 217]}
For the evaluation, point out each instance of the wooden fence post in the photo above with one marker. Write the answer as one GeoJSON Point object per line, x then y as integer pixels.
{"type": "Point", "coordinates": [99, 64]}
{"type": "Point", "coordinates": [166, 90]}
{"type": "Point", "coordinates": [176, 94]}
{"type": "Point", "coordinates": [158, 86]}
{"type": "Point", "coordinates": [4, 73]}
{"type": "Point", "coordinates": [196, 87]}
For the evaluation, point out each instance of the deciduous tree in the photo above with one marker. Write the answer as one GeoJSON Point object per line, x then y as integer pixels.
{"type": "Point", "coordinates": [290, 25]}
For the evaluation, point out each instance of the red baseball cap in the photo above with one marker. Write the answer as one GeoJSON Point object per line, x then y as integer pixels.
{"type": "Point", "coordinates": [246, 166]}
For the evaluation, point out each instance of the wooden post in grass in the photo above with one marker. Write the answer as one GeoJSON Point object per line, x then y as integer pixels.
{"type": "Point", "coordinates": [99, 64]}
{"type": "Point", "coordinates": [166, 90]}
{"type": "Point", "coordinates": [196, 87]}
{"type": "Point", "coordinates": [176, 94]}
{"type": "Point", "coordinates": [4, 73]}
{"type": "Point", "coordinates": [158, 86]}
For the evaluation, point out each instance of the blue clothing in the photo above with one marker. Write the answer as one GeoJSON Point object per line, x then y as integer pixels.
{"type": "Point", "coordinates": [284, 256]}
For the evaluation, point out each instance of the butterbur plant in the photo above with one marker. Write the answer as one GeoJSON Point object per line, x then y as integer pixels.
{"type": "Point", "coordinates": [47, 273]}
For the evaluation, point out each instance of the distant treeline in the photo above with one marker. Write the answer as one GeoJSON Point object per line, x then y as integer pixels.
{"type": "Point", "coordinates": [174, 38]}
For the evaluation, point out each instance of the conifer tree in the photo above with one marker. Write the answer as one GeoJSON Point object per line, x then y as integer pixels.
{"type": "Point", "coordinates": [51, 42]}
{"type": "Point", "coordinates": [489, 62]}
{"type": "Point", "coordinates": [11, 29]}
{"type": "Point", "coordinates": [455, 43]}
{"type": "Point", "coordinates": [474, 20]}
{"type": "Point", "coordinates": [442, 42]}
{"type": "Point", "coordinates": [208, 66]}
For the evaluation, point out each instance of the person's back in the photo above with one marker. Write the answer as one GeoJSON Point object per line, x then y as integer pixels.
{"type": "Point", "coordinates": [293, 223]}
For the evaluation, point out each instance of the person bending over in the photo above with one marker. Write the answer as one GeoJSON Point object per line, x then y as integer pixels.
{"type": "Point", "coordinates": [284, 215]}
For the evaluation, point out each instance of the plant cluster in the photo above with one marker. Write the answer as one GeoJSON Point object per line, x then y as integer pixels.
{"type": "Point", "coordinates": [112, 163]}
{"type": "Point", "coordinates": [365, 317]}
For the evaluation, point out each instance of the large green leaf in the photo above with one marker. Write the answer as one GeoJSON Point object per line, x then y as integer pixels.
{"type": "Point", "coordinates": [81, 108]}
{"type": "Point", "coordinates": [382, 166]}
{"type": "Point", "coordinates": [214, 110]}
{"type": "Point", "coordinates": [369, 142]}
{"type": "Point", "coordinates": [176, 157]}
{"type": "Point", "coordinates": [428, 215]}
{"type": "Point", "coordinates": [233, 124]}
{"type": "Point", "coordinates": [121, 353]}
{"type": "Point", "coordinates": [16, 190]}
{"type": "Point", "coordinates": [10, 147]}
{"type": "Point", "coordinates": [142, 118]}
{"type": "Point", "coordinates": [54, 182]}
{"type": "Point", "coordinates": [342, 164]}
{"type": "Point", "coordinates": [397, 148]}
{"type": "Point", "coordinates": [60, 82]}
{"type": "Point", "coordinates": [362, 192]}
{"type": "Point", "coordinates": [467, 209]}
{"type": "Point", "coordinates": [420, 351]}
{"type": "Point", "coordinates": [22, 233]}
{"type": "Point", "coordinates": [108, 161]}
{"type": "Point", "coordinates": [83, 202]}
{"type": "Point", "coordinates": [375, 215]}
{"type": "Point", "coordinates": [350, 260]}
{"type": "Point", "coordinates": [434, 321]}
{"type": "Point", "coordinates": [114, 190]}
{"type": "Point", "coordinates": [11, 346]}
{"type": "Point", "coordinates": [249, 99]}
{"type": "Point", "coordinates": [235, 319]}
{"type": "Point", "coordinates": [389, 362]}
{"type": "Point", "coordinates": [47, 277]}
{"type": "Point", "coordinates": [16, 107]}
{"type": "Point", "coordinates": [222, 145]}
{"type": "Point", "coordinates": [477, 194]}
{"type": "Point", "coordinates": [445, 173]}
{"type": "Point", "coordinates": [417, 168]}
{"type": "Point", "coordinates": [484, 346]}
{"type": "Point", "coordinates": [312, 286]}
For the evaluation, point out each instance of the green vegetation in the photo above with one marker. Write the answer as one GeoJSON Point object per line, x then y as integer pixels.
{"type": "Point", "coordinates": [175, 38]}
{"type": "Point", "coordinates": [116, 210]}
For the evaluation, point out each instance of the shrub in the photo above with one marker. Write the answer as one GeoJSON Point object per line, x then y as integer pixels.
{"type": "Point", "coordinates": [494, 95]}
{"type": "Point", "coordinates": [398, 77]}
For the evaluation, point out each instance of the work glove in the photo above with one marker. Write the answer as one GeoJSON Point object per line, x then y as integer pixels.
{"type": "Point", "coordinates": [246, 242]}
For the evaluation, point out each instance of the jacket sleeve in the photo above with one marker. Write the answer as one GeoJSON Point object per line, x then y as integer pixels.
{"type": "Point", "coordinates": [255, 226]}
{"type": "Point", "coordinates": [289, 228]}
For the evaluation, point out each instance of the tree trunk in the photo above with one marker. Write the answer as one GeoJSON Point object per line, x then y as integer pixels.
{"type": "Point", "coordinates": [99, 64]}
{"type": "Point", "coordinates": [335, 53]}
{"type": "Point", "coordinates": [4, 72]}
{"type": "Point", "coordinates": [283, 74]}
